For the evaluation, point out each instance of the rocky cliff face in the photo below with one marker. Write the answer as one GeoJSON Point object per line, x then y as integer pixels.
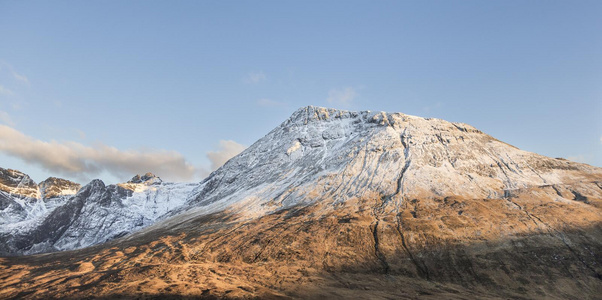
{"type": "Point", "coordinates": [339, 204]}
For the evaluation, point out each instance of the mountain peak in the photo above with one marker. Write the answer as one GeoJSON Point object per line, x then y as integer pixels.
{"type": "Point", "coordinates": [148, 178]}
{"type": "Point", "coordinates": [17, 182]}
{"type": "Point", "coordinates": [313, 114]}
{"type": "Point", "coordinates": [308, 114]}
{"type": "Point", "coordinates": [342, 154]}
{"type": "Point", "coordinates": [53, 187]}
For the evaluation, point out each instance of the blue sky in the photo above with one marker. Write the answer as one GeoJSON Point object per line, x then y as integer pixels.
{"type": "Point", "coordinates": [174, 80]}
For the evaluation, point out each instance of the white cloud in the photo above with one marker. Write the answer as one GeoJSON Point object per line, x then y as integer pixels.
{"type": "Point", "coordinates": [81, 161]}
{"type": "Point", "coordinates": [6, 119]}
{"type": "Point", "coordinates": [5, 91]}
{"type": "Point", "coordinates": [342, 96]}
{"type": "Point", "coordinates": [269, 103]}
{"type": "Point", "coordinates": [227, 149]}
{"type": "Point", "coordinates": [600, 139]}
{"type": "Point", "coordinates": [255, 77]}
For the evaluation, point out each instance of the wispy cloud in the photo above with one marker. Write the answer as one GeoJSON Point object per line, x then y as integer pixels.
{"type": "Point", "coordinates": [600, 139]}
{"type": "Point", "coordinates": [254, 77]}
{"type": "Point", "coordinates": [227, 149]}
{"type": "Point", "coordinates": [80, 161]}
{"type": "Point", "coordinates": [6, 119]}
{"type": "Point", "coordinates": [5, 91]}
{"type": "Point", "coordinates": [343, 96]}
{"type": "Point", "coordinates": [19, 77]}
{"type": "Point", "coordinates": [269, 103]}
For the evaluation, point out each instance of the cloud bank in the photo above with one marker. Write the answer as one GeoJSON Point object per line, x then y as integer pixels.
{"type": "Point", "coordinates": [75, 160]}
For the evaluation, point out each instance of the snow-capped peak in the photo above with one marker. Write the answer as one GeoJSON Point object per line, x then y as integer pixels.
{"type": "Point", "coordinates": [321, 153]}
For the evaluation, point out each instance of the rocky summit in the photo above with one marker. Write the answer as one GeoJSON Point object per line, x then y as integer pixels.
{"type": "Point", "coordinates": [330, 204]}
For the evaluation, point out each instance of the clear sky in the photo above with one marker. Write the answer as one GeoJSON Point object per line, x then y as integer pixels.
{"type": "Point", "coordinates": [101, 89]}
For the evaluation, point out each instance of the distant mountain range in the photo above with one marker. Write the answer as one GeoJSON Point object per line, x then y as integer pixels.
{"type": "Point", "coordinates": [59, 214]}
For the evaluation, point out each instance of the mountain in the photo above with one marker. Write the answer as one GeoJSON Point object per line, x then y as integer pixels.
{"type": "Point", "coordinates": [17, 183]}
{"type": "Point", "coordinates": [54, 187]}
{"type": "Point", "coordinates": [65, 216]}
{"type": "Point", "coordinates": [21, 199]}
{"type": "Point", "coordinates": [341, 204]}
{"type": "Point", "coordinates": [324, 154]}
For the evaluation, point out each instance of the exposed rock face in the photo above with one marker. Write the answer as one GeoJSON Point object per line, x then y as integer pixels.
{"type": "Point", "coordinates": [338, 204]}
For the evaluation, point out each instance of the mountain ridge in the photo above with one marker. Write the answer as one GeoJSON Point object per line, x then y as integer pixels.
{"type": "Point", "coordinates": [66, 216]}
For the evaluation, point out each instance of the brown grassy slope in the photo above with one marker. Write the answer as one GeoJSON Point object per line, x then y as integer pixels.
{"type": "Point", "coordinates": [544, 242]}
